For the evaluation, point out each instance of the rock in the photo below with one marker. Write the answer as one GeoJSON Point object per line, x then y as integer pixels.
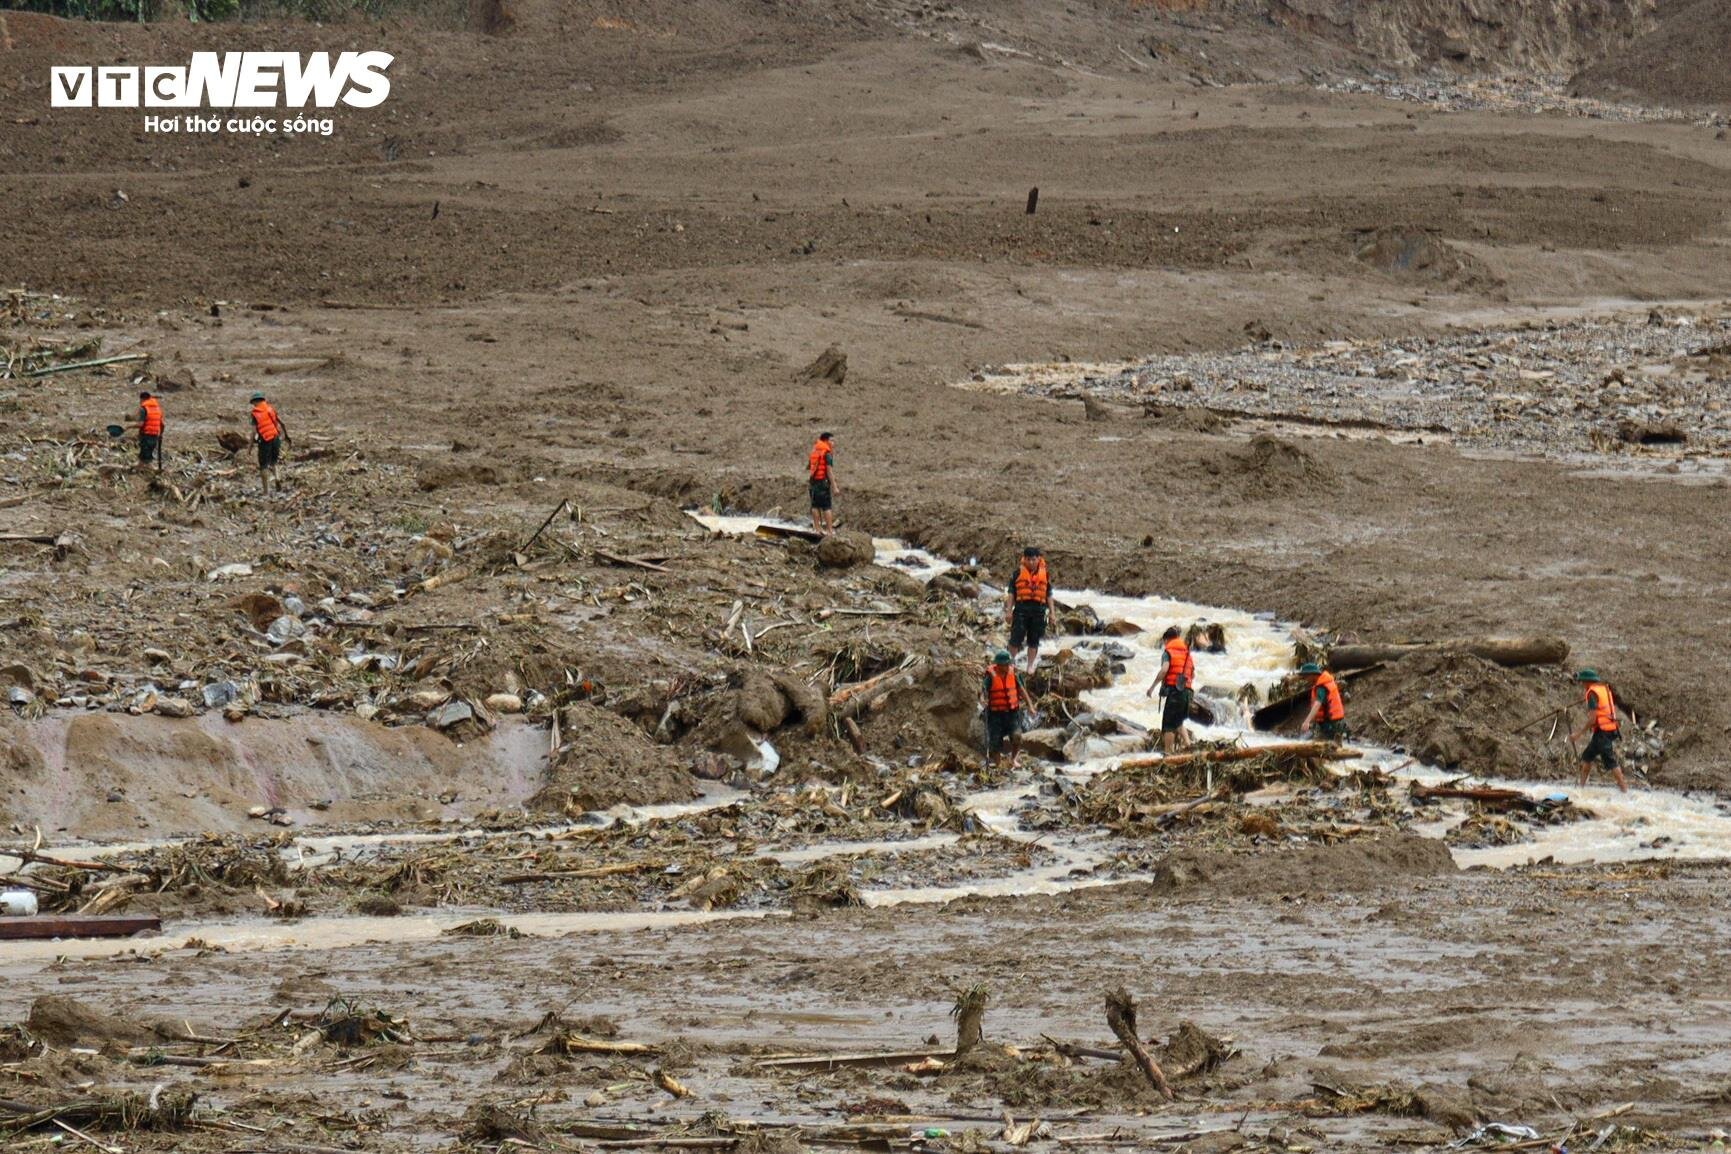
{"type": "Point", "coordinates": [449, 714]}
{"type": "Point", "coordinates": [285, 628]}
{"type": "Point", "coordinates": [1045, 743]}
{"type": "Point", "coordinates": [760, 702]}
{"type": "Point", "coordinates": [260, 608]}
{"type": "Point", "coordinates": [427, 700]}
{"type": "Point", "coordinates": [20, 675]}
{"type": "Point", "coordinates": [219, 693]}
{"type": "Point", "coordinates": [831, 366]}
{"type": "Point", "coordinates": [18, 697]}
{"type": "Point", "coordinates": [505, 703]}
{"type": "Point", "coordinates": [845, 549]}
{"type": "Point", "coordinates": [157, 656]}
{"type": "Point", "coordinates": [173, 707]}
{"type": "Point", "coordinates": [806, 703]}
{"type": "Point", "coordinates": [225, 572]}
{"type": "Point", "coordinates": [1095, 411]}
{"type": "Point", "coordinates": [1121, 628]}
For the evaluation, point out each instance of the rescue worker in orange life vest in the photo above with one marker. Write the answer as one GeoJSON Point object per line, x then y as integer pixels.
{"type": "Point", "coordinates": [1026, 603]}
{"type": "Point", "coordinates": [270, 435]}
{"type": "Point", "coordinates": [820, 471]}
{"type": "Point", "coordinates": [1003, 699]}
{"type": "Point", "coordinates": [1177, 682]}
{"type": "Point", "coordinates": [1327, 716]}
{"type": "Point", "coordinates": [149, 425]}
{"type": "Point", "coordinates": [1602, 724]}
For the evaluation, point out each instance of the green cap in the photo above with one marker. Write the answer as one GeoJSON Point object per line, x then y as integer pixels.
{"type": "Point", "coordinates": [1002, 657]}
{"type": "Point", "coordinates": [258, 396]}
{"type": "Point", "coordinates": [1310, 667]}
{"type": "Point", "coordinates": [1587, 675]}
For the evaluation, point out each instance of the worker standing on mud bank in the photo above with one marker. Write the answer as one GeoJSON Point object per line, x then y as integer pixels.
{"type": "Point", "coordinates": [1026, 604]}
{"type": "Point", "coordinates": [820, 468]}
{"type": "Point", "coordinates": [270, 435]}
{"type": "Point", "coordinates": [1602, 724]}
{"type": "Point", "coordinates": [149, 430]}
{"type": "Point", "coordinates": [1327, 716]}
{"type": "Point", "coordinates": [1177, 682]}
{"type": "Point", "coordinates": [1001, 694]}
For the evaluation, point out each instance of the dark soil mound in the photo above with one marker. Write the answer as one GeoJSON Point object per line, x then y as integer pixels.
{"type": "Point", "coordinates": [1460, 712]}
{"type": "Point", "coordinates": [605, 760]}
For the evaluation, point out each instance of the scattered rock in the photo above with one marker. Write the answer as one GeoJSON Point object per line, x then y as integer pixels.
{"type": "Point", "coordinates": [845, 549]}
{"type": "Point", "coordinates": [831, 366]}
{"type": "Point", "coordinates": [504, 703]}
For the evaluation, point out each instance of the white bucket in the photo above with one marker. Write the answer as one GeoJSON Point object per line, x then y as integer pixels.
{"type": "Point", "coordinates": [18, 904]}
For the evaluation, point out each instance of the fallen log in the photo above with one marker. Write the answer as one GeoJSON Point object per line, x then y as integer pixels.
{"type": "Point", "coordinates": [1121, 1017]}
{"type": "Point", "coordinates": [32, 538]}
{"type": "Point", "coordinates": [68, 367]}
{"type": "Point", "coordinates": [76, 926]}
{"type": "Point", "coordinates": [783, 532]}
{"type": "Point", "coordinates": [634, 562]}
{"type": "Point", "coordinates": [606, 871]}
{"type": "Point", "coordinates": [850, 700]}
{"type": "Point", "coordinates": [1492, 796]}
{"type": "Point", "coordinates": [1317, 750]}
{"type": "Point", "coordinates": [838, 1061]}
{"type": "Point", "coordinates": [1509, 651]}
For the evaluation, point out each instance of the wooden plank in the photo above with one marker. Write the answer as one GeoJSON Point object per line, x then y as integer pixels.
{"type": "Point", "coordinates": [78, 926]}
{"type": "Point", "coordinates": [782, 532]}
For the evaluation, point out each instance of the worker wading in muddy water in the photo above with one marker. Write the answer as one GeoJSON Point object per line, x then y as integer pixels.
{"type": "Point", "coordinates": [820, 470]}
{"type": "Point", "coordinates": [270, 435]}
{"type": "Point", "coordinates": [1603, 727]}
{"type": "Point", "coordinates": [1176, 682]}
{"type": "Point", "coordinates": [1027, 602]}
{"type": "Point", "coordinates": [1001, 695]}
{"type": "Point", "coordinates": [149, 425]}
{"type": "Point", "coordinates": [1327, 716]}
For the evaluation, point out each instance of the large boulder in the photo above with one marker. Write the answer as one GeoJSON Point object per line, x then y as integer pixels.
{"type": "Point", "coordinates": [845, 549]}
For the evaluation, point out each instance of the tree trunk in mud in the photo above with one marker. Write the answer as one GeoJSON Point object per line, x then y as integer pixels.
{"type": "Point", "coordinates": [970, 1014]}
{"type": "Point", "coordinates": [1121, 1017]}
{"type": "Point", "coordinates": [1319, 750]}
{"type": "Point", "coordinates": [1510, 651]}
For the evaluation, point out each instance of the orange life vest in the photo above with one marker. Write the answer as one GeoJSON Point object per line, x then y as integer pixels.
{"type": "Point", "coordinates": [1333, 708]}
{"type": "Point", "coordinates": [1604, 709]}
{"type": "Point", "coordinates": [1031, 584]}
{"type": "Point", "coordinates": [1179, 664]}
{"type": "Point", "coordinates": [1004, 692]}
{"type": "Point", "coordinates": [818, 463]}
{"type": "Point", "coordinates": [264, 420]}
{"type": "Point", "coordinates": [150, 424]}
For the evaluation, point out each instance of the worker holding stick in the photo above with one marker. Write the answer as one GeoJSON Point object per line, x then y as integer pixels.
{"type": "Point", "coordinates": [270, 435]}
{"type": "Point", "coordinates": [1602, 725]}
{"type": "Point", "coordinates": [1176, 682]}
{"type": "Point", "coordinates": [149, 425]}
{"type": "Point", "coordinates": [1327, 716]}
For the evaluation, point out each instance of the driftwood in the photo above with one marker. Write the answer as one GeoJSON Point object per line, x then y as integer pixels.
{"type": "Point", "coordinates": [67, 368]}
{"type": "Point", "coordinates": [1316, 750]}
{"type": "Point", "coordinates": [606, 871]}
{"type": "Point", "coordinates": [1510, 651]}
{"type": "Point", "coordinates": [783, 532]}
{"type": "Point", "coordinates": [32, 538]}
{"type": "Point", "coordinates": [851, 700]}
{"type": "Point", "coordinates": [1121, 1017]}
{"type": "Point", "coordinates": [635, 562]}
{"type": "Point", "coordinates": [838, 1061]}
{"type": "Point", "coordinates": [1293, 706]}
